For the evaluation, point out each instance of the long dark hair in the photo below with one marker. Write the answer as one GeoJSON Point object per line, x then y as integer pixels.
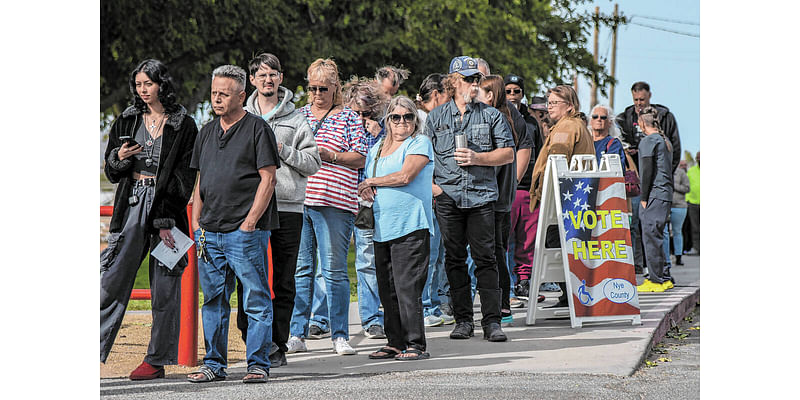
{"type": "Point", "coordinates": [429, 84]}
{"type": "Point", "coordinates": [494, 84]}
{"type": "Point", "coordinates": [157, 72]}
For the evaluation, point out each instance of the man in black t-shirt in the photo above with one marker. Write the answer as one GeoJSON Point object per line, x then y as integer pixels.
{"type": "Point", "coordinates": [234, 208]}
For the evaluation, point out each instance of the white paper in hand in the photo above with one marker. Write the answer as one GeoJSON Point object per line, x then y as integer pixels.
{"type": "Point", "coordinates": [170, 257]}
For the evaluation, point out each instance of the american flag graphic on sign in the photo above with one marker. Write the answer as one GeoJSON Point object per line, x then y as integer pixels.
{"type": "Point", "coordinates": [597, 233]}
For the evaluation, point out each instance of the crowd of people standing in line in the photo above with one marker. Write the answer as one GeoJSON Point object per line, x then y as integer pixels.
{"type": "Point", "coordinates": [445, 189]}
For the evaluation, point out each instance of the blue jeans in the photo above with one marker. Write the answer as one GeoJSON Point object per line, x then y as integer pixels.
{"type": "Point", "coordinates": [511, 264]}
{"type": "Point", "coordinates": [319, 305]}
{"type": "Point", "coordinates": [327, 230]}
{"type": "Point", "coordinates": [368, 301]}
{"type": "Point", "coordinates": [676, 217]}
{"type": "Point", "coordinates": [235, 254]}
{"type": "Point", "coordinates": [431, 301]}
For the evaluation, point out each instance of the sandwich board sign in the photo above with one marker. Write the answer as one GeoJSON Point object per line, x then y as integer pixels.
{"type": "Point", "coordinates": [595, 260]}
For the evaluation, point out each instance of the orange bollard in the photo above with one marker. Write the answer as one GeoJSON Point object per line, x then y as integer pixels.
{"type": "Point", "coordinates": [187, 342]}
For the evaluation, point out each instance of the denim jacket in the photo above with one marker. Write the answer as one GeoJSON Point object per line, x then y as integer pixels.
{"type": "Point", "coordinates": [486, 129]}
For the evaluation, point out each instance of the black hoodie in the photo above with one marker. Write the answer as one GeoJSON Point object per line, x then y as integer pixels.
{"type": "Point", "coordinates": [627, 122]}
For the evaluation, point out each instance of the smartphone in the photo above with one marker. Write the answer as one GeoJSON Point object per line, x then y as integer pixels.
{"type": "Point", "coordinates": [129, 140]}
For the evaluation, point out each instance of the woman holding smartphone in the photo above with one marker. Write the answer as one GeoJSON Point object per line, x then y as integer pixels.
{"type": "Point", "coordinates": [148, 154]}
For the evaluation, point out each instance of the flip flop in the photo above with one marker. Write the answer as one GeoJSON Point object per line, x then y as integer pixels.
{"type": "Point", "coordinates": [418, 355]}
{"type": "Point", "coordinates": [208, 375]}
{"type": "Point", "coordinates": [261, 378]}
{"type": "Point", "coordinates": [388, 352]}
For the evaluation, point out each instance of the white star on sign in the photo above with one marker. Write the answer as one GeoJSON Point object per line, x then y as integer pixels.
{"type": "Point", "coordinates": [577, 203]}
{"type": "Point", "coordinates": [585, 207]}
{"type": "Point", "coordinates": [567, 196]}
{"type": "Point", "coordinates": [587, 189]}
{"type": "Point", "coordinates": [579, 185]}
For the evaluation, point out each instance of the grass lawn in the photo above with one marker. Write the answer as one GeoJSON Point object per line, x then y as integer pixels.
{"type": "Point", "coordinates": [143, 282]}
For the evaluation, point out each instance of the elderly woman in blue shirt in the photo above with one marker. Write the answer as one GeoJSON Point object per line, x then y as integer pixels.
{"type": "Point", "coordinates": [400, 171]}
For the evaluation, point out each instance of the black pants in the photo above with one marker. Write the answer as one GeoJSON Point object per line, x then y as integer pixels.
{"type": "Point", "coordinates": [401, 267]}
{"type": "Point", "coordinates": [502, 229]}
{"type": "Point", "coordinates": [694, 219]}
{"type": "Point", "coordinates": [473, 226]}
{"type": "Point", "coordinates": [285, 241]}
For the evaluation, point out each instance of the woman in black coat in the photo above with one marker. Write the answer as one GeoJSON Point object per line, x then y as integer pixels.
{"type": "Point", "coordinates": [148, 154]}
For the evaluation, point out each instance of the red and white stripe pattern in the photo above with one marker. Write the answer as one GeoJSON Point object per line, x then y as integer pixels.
{"type": "Point", "coordinates": [599, 273]}
{"type": "Point", "coordinates": [335, 185]}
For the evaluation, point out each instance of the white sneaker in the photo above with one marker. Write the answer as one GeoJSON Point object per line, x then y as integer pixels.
{"type": "Point", "coordinates": [448, 319]}
{"type": "Point", "coordinates": [432, 320]}
{"type": "Point", "coordinates": [342, 348]}
{"type": "Point", "coordinates": [295, 345]}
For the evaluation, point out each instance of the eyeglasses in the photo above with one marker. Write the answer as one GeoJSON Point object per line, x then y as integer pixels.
{"type": "Point", "coordinates": [395, 118]}
{"type": "Point", "coordinates": [364, 114]}
{"type": "Point", "coordinates": [320, 89]}
{"type": "Point", "coordinates": [477, 78]}
{"type": "Point", "coordinates": [271, 76]}
{"type": "Point", "coordinates": [515, 91]}
{"type": "Point", "coordinates": [555, 103]}
{"type": "Point", "coordinates": [602, 117]}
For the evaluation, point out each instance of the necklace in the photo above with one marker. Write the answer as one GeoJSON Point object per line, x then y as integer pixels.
{"type": "Point", "coordinates": [149, 143]}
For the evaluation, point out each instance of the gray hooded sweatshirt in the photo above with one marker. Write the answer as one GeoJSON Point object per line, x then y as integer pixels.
{"type": "Point", "coordinates": [299, 154]}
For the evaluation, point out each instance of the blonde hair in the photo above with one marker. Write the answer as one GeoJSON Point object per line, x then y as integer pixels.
{"type": "Point", "coordinates": [365, 94]}
{"type": "Point", "coordinates": [325, 70]}
{"type": "Point", "coordinates": [568, 94]}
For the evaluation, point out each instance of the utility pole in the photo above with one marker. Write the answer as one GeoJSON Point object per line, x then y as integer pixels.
{"type": "Point", "coordinates": [593, 102]}
{"type": "Point", "coordinates": [614, 53]}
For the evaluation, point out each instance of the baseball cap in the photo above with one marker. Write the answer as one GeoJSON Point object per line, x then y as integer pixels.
{"type": "Point", "coordinates": [464, 65]}
{"type": "Point", "coordinates": [515, 79]}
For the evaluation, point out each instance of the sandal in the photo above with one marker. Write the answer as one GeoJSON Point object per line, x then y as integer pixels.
{"type": "Point", "coordinates": [261, 375]}
{"type": "Point", "coordinates": [388, 352]}
{"type": "Point", "coordinates": [417, 355]}
{"type": "Point", "coordinates": [208, 375]}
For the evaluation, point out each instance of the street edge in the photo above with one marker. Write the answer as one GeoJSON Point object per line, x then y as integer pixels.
{"type": "Point", "coordinates": [675, 315]}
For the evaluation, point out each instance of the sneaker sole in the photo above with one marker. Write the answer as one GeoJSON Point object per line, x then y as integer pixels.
{"type": "Point", "coordinates": [322, 336]}
{"type": "Point", "coordinates": [440, 323]}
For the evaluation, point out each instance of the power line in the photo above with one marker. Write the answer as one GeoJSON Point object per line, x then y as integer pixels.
{"type": "Point", "coordinates": [667, 20]}
{"type": "Point", "coordinates": [697, 35]}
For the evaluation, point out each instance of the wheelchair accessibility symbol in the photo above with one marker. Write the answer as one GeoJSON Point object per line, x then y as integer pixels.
{"type": "Point", "coordinates": [582, 292]}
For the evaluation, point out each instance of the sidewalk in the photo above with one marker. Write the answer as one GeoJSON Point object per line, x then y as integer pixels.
{"type": "Point", "coordinates": [550, 346]}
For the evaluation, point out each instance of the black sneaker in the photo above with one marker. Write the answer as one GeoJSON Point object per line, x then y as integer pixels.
{"type": "Point", "coordinates": [315, 332]}
{"type": "Point", "coordinates": [522, 289]}
{"type": "Point", "coordinates": [463, 330]}
{"type": "Point", "coordinates": [494, 333]}
{"type": "Point", "coordinates": [277, 359]}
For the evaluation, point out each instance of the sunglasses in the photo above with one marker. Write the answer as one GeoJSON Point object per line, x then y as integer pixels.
{"type": "Point", "coordinates": [364, 114]}
{"type": "Point", "coordinates": [602, 117]}
{"type": "Point", "coordinates": [473, 78]}
{"type": "Point", "coordinates": [320, 89]}
{"type": "Point", "coordinates": [515, 91]}
{"type": "Point", "coordinates": [395, 118]}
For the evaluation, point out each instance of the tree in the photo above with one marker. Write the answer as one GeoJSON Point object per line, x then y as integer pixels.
{"type": "Point", "coordinates": [545, 42]}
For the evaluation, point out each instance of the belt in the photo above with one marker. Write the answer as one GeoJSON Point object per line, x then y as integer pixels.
{"type": "Point", "coordinates": [145, 182]}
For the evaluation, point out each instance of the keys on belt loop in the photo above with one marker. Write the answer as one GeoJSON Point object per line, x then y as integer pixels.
{"type": "Point", "coordinates": [202, 252]}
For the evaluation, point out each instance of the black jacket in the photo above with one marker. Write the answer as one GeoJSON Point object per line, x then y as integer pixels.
{"type": "Point", "coordinates": [627, 122]}
{"type": "Point", "coordinates": [174, 180]}
{"type": "Point", "coordinates": [533, 129]}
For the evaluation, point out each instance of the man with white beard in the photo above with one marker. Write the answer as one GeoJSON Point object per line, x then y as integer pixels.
{"type": "Point", "coordinates": [469, 139]}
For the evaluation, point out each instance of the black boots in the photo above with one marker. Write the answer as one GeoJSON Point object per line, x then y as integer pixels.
{"type": "Point", "coordinates": [463, 330]}
{"type": "Point", "coordinates": [493, 333]}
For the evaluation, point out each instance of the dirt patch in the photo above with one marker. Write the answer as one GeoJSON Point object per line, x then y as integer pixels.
{"type": "Point", "coordinates": [134, 337]}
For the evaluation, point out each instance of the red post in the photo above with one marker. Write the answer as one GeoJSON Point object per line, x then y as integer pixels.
{"type": "Point", "coordinates": [187, 342]}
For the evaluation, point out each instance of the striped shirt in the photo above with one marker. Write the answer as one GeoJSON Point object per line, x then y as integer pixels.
{"type": "Point", "coordinates": [334, 185]}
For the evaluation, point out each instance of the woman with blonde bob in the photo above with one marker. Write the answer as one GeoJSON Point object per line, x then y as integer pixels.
{"type": "Point", "coordinates": [400, 171]}
{"type": "Point", "coordinates": [330, 207]}
{"type": "Point", "coordinates": [568, 136]}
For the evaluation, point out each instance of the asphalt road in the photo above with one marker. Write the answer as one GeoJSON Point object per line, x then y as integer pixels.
{"type": "Point", "coordinates": [677, 375]}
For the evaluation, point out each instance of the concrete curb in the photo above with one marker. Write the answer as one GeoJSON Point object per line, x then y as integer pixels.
{"type": "Point", "coordinates": [672, 317]}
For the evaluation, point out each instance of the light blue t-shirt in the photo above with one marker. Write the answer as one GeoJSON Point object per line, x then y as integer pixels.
{"type": "Point", "coordinates": [405, 209]}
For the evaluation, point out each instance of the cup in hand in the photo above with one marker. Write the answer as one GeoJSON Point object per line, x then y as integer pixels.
{"type": "Point", "coordinates": [461, 141]}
